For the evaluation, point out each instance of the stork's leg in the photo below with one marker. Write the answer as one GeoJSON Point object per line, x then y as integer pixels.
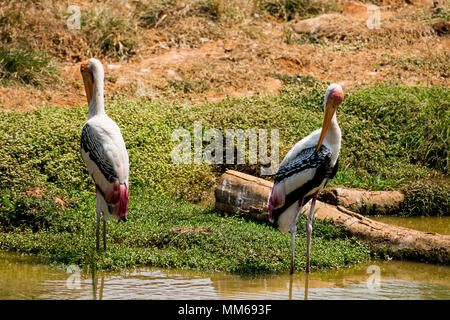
{"type": "Point", "coordinates": [98, 210]}
{"type": "Point", "coordinates": [293, 230]}
{"type": "Point", "coordinates": [309, 226]}
{"type": "Point", "coordinates": [104, 232]}
{"type": "Point", "coordinates": [97, 232]}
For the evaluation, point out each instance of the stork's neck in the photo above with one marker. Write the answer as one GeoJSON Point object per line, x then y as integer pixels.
{"type": "Point", "coordinates": [333, 136]}
{"type": "Point", "coordinates": [97, 105]}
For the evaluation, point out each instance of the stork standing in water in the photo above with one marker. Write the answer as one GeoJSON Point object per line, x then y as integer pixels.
{"type": "Point", "coordinates": [304, 172]}
{"type": "Point", "coordinates": [103, 151]}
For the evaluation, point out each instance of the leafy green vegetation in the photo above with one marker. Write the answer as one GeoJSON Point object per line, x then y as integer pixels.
{"type": "Point", "coordinates": [427, 197]}
{"type": "Point", "coordinates": [436, 12]}
{"type": "Point", "coordinates": [164, 232]}
{"type": "Point", "coordinates": [411, 124]}
{"type": "Point", "coordinates": [393, 137]}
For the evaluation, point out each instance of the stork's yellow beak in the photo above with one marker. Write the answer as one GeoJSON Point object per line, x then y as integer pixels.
{"type": "Point", "coordinates": [88, 80]}
{"type": "Point", "coordinates": [329, 112]}
{"type": "Point", "coordinates": [334, 100]}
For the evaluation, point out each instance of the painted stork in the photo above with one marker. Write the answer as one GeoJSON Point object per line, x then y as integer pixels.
{"type": "Point", "coordinates": [103, 151]}
{"type": "Point", "coordinates": [304, 171]}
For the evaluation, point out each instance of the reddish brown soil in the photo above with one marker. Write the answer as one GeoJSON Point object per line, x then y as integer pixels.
{"type": "Point", "coordinates": [243, 65]}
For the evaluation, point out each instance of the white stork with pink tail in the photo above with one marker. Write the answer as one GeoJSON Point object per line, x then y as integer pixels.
{"type": "Point", "coordinates": [304, 172]}
{"type": "Point", "coordinates": [103, 151]}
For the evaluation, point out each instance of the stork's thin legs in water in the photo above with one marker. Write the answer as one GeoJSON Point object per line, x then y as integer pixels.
{"type": "Point", "coordinates": [309, 226]}
{"type": "Point", "coordinates": [104, 232]}
{"type": "Point", "coordinates": [100, 214]}
{"type": "Point", "coordinates": [293, 230]}
{"type": "Point", "coordinates": [97, 231]}
{"type": "Point", "coordinates": [94, 285]}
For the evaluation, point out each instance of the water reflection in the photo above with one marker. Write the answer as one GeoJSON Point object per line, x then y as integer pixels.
{"type": "Point", "coordinates": [439, 225]}
{"type": "Point", "coordinates": [291, 286]}
{"type": "Point", "coordinates": [24, 278]}
{"type": "Point", "coordinates": [306, 286]}
{"type": "Point", "coordinates": [98, 283]}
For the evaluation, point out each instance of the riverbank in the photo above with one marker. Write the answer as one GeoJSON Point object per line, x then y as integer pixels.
{"type": "Point", "coordinates": [169, 233]}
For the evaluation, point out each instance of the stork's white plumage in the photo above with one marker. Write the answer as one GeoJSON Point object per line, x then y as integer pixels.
{"type": "Point", "coordinates": [103, 151]}
{"type": "Point", "coordinates": [304, 172]}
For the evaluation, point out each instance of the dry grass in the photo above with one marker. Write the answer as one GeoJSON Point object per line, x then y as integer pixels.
{"type": "Point", "coordinates": [405, 28]}
{"type": "Point", "coordinates": [106, 30]}
{"type": "Point", "coordinates": [27, 68]}
{"type": "Point", "coordinates": [116, 30]}
{"type": "Point", "coordinates": [421, 63]}
{"type": "Point", "coordinates": [296, 9]}
{"type": "Point", "coordinates": [197, 50]}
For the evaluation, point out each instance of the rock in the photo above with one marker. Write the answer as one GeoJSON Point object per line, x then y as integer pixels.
{"type": "Point", "coordinates": [240, 192]}
{"type": "Point", "coordinates": [354, 15]}
{"type": "Point", "coordinates": [356, 9]}
{"type": "Point", "coordinates": [314, 25]}
{"type": "Point", "coordinates": [364, 202]}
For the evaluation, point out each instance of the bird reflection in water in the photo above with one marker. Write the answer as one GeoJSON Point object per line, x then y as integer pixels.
{"type": "Point", "coordinates": [95, 285]}
{"type": "Point", "coordinates": [291, 282]}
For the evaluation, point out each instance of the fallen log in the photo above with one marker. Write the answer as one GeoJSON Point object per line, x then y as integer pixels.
{"type": "Point", "coordinates": [239, 192]}
{"type": "Point", "coordinates": [364, 202]}
{"type": "Point", "coordinates": [395, 241]}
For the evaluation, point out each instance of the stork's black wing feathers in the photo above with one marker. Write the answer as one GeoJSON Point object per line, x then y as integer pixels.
{"type": "Point", "coordinates": [333, 171]}
{"type": "Point", "coordinates": [306, 159]}
{"type": "Point", "coordinates": [96, 152]}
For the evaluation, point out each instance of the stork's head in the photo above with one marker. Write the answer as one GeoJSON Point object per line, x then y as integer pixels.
{"type": "Point", "coordinates": [333, 98]}
{"type": "Point", "coordinates": [92, 72]}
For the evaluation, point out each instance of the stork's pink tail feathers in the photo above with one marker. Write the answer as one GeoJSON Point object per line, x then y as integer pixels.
{"type": "Point", "coordinates": [276, 199]}
{"type": "Point", "coordinates": [123, 200]}
{"type": "Point", "coordinates": [118, 197]}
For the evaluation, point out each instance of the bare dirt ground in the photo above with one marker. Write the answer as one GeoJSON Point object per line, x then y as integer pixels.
{"type": "Point", "coordinates": [248, 57]}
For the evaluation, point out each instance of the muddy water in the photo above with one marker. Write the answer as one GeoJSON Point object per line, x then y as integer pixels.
{"type": "Point", "coordinates": [427, 224]}
{"type": "Point", "coordinates": [25, 278]}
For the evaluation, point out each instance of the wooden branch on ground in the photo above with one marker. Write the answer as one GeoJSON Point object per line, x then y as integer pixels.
{"type": "Point", "coordinates": [363, 201]}
{"type": "Point", "coordinates": [239, 192]}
